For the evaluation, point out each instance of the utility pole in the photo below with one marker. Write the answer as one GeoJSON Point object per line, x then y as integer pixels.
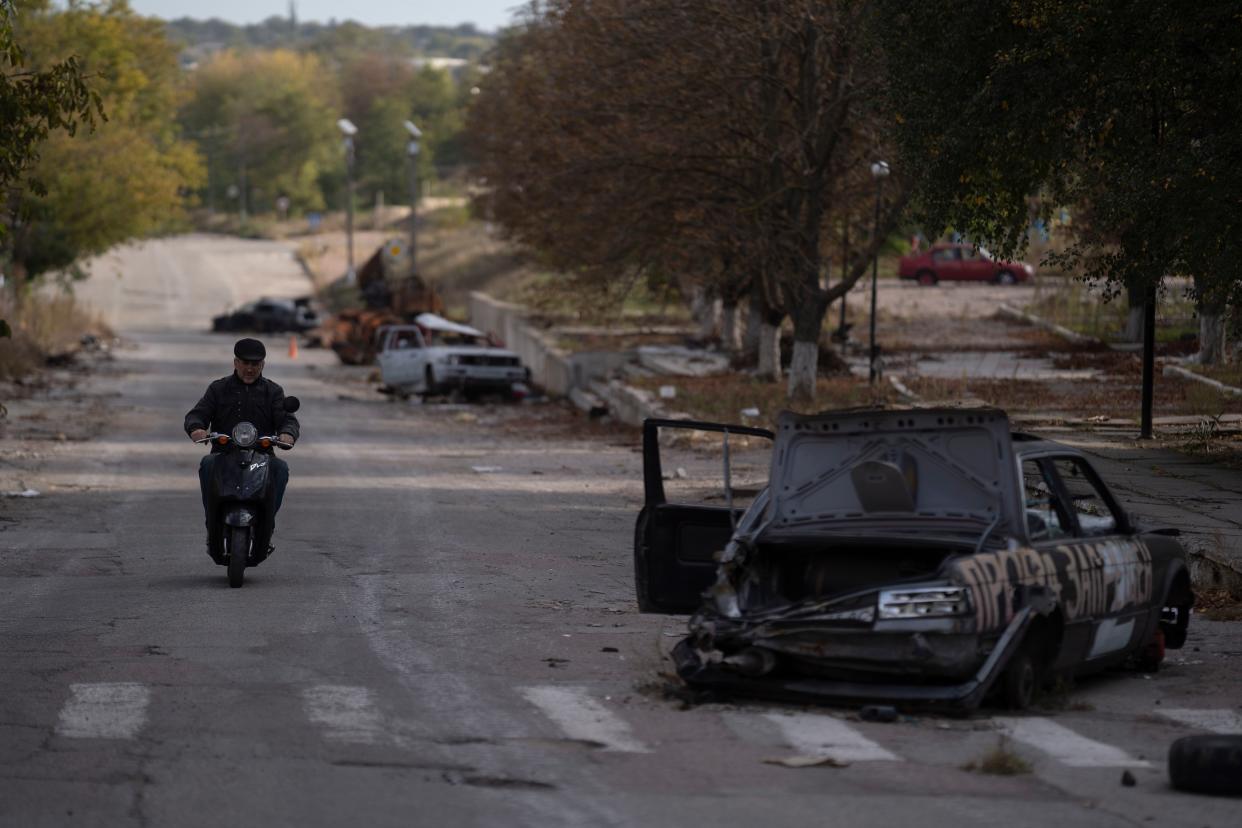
{"type": "Point", "coordinates": [1149, 363]}
{"type": "Point", "coordinates": [411, 155]}
{"type": "Point", "coordinates": [348, 129]}
{"type": "Point", "coordinates": [879, 171]}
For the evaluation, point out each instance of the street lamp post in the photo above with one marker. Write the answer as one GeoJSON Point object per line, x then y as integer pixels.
{"type": "Point", "coordinates": [879, 171]}
{"type": "Point", "coordinates": [411, 154]}
{"type": "Point", "coordinates": [348, 129]}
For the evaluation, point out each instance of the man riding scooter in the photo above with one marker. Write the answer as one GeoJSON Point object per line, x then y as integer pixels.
{"type": "Point", "coordinates": [245, 396]}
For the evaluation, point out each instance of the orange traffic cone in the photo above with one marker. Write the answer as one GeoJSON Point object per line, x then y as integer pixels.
{"type": "Point", "coordinates": [293, 347]}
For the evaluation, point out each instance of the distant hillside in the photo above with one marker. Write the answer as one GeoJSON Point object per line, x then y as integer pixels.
{"type": "Point", "coordinates": [465, 41]}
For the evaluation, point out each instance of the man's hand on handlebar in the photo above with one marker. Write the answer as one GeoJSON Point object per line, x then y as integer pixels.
{"type": "Point", "coordinates": [198, 434]}
{"type": "Point", "coordinates": [286, 438]}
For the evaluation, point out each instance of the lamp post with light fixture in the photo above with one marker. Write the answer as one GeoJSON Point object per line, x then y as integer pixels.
{"type": "Point", "coordinates": [879, 171]}
{"type": "Point", "coordinates": [411, 154]}
{"type": "Point", "coordinates": [348, 129]}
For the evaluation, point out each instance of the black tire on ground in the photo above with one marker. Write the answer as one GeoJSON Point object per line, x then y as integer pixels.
{"type": "Point", "coordinates": [1006, 277]}
{"type": "Point", "coordinates": [926, 278]}
{"type": "Point", "coordinates": [1021, 678]}
{"type": "Point", "coordinates": [1207, 763]}
{"type": "Point", "coordinates": [239, 549]}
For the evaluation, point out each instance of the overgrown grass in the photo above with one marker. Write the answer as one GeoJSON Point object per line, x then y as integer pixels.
{"type": "Point", "coordinates": [1230, 374]}
{"type": "Point", "coordinates": [44, 327]}
{"type": "Point", "coordinates": [1083, 309]}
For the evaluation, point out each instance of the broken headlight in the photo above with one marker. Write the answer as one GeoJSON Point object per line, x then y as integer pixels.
{"type": "Point", "coordinates": [923, 602]}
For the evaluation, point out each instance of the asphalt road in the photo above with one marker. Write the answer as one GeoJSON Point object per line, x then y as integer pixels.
{"type": "Point", "coordinates": [446, 633]}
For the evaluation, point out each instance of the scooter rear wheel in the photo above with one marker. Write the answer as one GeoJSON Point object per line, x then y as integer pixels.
{"type": "Point", "coordinates": [239, 548]}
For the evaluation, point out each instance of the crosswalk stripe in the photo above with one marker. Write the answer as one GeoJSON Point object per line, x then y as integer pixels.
{"type": "Point", "coordinates": [1065, 745]}
{"type": "Point", "coordinates": [1217, 721]}
{"type": "Point", "coordinates": [105, 710]}
{"type": "Point", "coordinates": [820, 735]}
{"type": "Point", "coordinates": [582, 717]}
{"type": "Point", "coordinates": [347, 713]}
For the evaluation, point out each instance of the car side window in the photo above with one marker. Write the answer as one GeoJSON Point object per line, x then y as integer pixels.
{"type": "Point", "coordinates": [1045, 512]}
{"type": "Point", "coordinates": [1089, 505]}
{"type": "Point", "coordinates": [946, 255]}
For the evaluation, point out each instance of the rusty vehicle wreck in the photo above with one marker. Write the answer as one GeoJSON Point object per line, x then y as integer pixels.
{"type": "Point", "coordinates": [923, 557]}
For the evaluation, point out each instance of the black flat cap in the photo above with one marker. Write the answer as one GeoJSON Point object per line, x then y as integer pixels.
{"type": "Point", "coordinates": [249, 349]}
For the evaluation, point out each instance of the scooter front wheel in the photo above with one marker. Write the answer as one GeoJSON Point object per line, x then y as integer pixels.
{"type": "Point", "coordinates": [239, 548]}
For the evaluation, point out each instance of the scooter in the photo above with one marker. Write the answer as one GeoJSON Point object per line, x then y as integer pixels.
{"type": "Point", "coordinates": [244, 496]}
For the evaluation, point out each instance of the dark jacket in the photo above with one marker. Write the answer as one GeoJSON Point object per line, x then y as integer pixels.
{"type": "Point", "coordinates": [230, 401]}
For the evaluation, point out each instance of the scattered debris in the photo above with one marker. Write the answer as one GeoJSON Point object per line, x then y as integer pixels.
{"type": "Point", "coordinates": [1128, 780]}
{"type": "Point", "coordinates": [555, 662]}
{"type": "Point", "coordinates": [807, 762]}
{"type": "Point", "coordinates": [676, 360]}
{"type": "Point", "coordinates": [486, 469]}
{"type": "Point", "coordinates": [668, 392]}
{"type": "Point", "coordinates": [24, 493]}
{"type": "Point", "coordinates": [878, 713]}
{"type": "Point", "coordinates": [609, 650]}
{"type": "Point", "coordinates": [750, 412]}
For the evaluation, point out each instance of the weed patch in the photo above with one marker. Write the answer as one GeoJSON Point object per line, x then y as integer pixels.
{"type": "Point", "coordinates": [43, 328]}
{"type": "Point", "coordinates": [999, 761]}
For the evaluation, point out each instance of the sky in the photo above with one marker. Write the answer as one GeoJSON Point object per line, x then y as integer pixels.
{"type": "Point", "coordinates": [486, 14]}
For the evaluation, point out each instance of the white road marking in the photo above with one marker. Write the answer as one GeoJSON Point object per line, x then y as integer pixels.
{"type": "Point", "coordinates": [819, 735]}
{"type": "Point", "coordinates": [1065, 745]}
{"type": "Point", "coordinates": [104, 711]}
{"type": "Point", "coordinates": [1217, 721]}
{"type": "Point", "coordinates": [348, 713]}
{"type": "Point", "coordinates": [582, 717]}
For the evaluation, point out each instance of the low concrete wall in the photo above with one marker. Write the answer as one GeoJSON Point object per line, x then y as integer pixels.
{"type": "Point", "coordinates": [551, 368]}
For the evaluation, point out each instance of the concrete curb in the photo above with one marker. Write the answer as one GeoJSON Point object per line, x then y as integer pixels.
{"type": "Point", "coordinates": [1013, 313]}
{"type": "Point", "coordinates": [1191, 375]}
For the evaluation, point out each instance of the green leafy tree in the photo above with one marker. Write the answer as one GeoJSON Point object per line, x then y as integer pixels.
{"type": "Point", "coordinates": [266, 122]}
{"type": "Point", "coordinates": [33, 105]}
{"type": "Point", "coordinates": [1128, 108]}
{"type": "Point", "coordinates": [124, 179]}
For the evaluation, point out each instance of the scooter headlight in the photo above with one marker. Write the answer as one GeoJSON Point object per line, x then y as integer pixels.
{"type": "Point", "coordinates": [244, 434]}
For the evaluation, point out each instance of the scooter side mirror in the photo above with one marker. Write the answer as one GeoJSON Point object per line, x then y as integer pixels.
{"type": "Point", "coordinates": [292, 404]}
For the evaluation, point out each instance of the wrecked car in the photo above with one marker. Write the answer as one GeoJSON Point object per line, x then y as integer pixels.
{"type": "Point", "coordinates": [434, 356]}
{"type": "Point", "coordinates": [268, 315]}
{"type": "Point", "coordinates": [927, 557]}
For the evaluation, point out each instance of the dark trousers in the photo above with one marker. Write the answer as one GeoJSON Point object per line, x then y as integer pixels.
{"type": "Point", "coordinates": [280, 479]}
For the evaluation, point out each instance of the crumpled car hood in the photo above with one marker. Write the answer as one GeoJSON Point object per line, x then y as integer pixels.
{"type": "Point", "coordinates": [851, 470]}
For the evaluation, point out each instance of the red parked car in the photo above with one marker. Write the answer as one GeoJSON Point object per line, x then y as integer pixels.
{"type": "Point", "coordinates": [961, 263]}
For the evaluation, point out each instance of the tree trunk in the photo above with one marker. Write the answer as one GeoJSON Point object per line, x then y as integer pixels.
{"type": "Point", "coordinates": [729, 328]}
{"type": "Point", "coordinates": [803, 370]}
{"type": "Point", "coordinates": [1135, 297]}
{"type": "Point", "coordinates": [769, 351]}
{"type": "Point", "coordinates": [705, 311]}
{"type": "Point", "coordinates": [1213, 318]}
{"type": "Point", "coordinates": [754, 330]}
{"type": "Point", "coordinates": [1212, 350]}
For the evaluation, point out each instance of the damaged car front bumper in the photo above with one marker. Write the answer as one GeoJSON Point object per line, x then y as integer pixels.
{"type": "Point", "coordinates": [916, 668]}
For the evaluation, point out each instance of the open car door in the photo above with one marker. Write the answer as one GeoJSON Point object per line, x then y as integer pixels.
{"type": "Point", "coordinates": [675, 543]}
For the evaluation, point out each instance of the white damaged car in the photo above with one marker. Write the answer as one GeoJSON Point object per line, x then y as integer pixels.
{"type": "Point", "coordinates": [435, 356]}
